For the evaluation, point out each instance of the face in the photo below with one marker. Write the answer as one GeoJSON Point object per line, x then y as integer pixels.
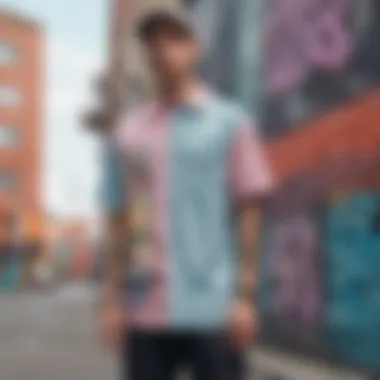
{"type": "Point", "coordinates": [171, 54]}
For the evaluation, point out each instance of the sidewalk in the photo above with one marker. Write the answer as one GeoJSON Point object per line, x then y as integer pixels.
{"type": "Point", "coordinates": [46, 336]}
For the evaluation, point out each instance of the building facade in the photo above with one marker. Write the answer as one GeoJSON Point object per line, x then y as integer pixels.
{"type": "Point", "coordinates": [21, 52]}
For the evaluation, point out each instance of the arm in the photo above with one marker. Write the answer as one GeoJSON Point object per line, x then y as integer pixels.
{"type": "Point", "coordinates": [248, 220]}
{"type": "Point", "coordinates": [113, 201]}
{"type": "Point", "coordinates": [116, 258]}
{"type": "Point", "coordinates": [112, 318]}
{"type": "Point", "coordinates": [250, 182]}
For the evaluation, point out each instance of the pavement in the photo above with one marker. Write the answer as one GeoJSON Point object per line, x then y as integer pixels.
{"type": "Point", "coordinates": [52, 336]}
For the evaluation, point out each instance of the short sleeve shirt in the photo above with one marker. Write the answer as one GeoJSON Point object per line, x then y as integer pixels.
{"type": "Point", "coordinates": [178, 173]}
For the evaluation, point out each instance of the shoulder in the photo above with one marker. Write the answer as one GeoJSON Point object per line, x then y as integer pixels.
{"type": "Point", "coordinates": [228, 109]}
{"type": "Point", "coordinates": [134, 116]}
{"type": "Point", "coordinates": [131, 121]}
{"type": "Point", "coordinates": [230, 112]}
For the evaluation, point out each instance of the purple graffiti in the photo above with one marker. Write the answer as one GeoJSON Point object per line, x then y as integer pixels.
{"type": "Point", "coordinates": [296, 298]}
{"type": "Point", "coordinates": [301, 36]}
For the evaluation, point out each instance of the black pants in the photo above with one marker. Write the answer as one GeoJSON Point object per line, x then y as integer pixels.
{"type": "Point", "coordinates": [162, 356]}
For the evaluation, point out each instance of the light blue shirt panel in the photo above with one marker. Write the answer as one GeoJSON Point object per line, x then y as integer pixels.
{"type": "Point", "coordinates": [203, 253]}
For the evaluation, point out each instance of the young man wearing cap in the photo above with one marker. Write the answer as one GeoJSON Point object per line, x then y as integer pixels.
{"type": "Point", "coordinates": [183, 178]}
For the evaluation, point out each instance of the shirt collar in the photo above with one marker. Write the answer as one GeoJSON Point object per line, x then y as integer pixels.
{"type": "Point", "coordinates": [199, 97]}
{"type": "Point", "coordinates": [195, 102]}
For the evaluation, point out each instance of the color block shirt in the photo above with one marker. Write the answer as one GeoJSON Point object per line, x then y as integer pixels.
{"type": "Point", "coordinates": [177, 173]}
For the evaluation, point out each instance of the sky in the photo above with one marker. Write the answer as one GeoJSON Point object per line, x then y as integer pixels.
{"type": "Point", "coordinates": [76, 34]}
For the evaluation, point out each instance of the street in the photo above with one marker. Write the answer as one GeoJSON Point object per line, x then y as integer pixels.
{"type": "Point", "coordinates": [53, 337]}
{"type": "Point", "coordinates": [45, 337]}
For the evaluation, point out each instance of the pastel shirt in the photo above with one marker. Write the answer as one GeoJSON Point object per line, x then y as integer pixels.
{"type": "Point", "coordinates": [177, 173]}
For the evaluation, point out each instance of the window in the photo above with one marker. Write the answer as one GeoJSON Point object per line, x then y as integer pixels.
{"type": "Point", "coordinates": [8, 54]}
{"type": "Point", "coordinates": [9, 96]}
{"type": "Point", "coordinates": [8, 136]}
{"type": "Point", "coordinates": [7, 180]}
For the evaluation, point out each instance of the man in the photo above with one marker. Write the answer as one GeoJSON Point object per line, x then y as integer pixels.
{"type": "Point", "coordinates": [183, 174]}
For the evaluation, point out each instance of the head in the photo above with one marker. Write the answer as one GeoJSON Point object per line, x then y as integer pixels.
{"type": "Point", "coordinates": [170, 45]}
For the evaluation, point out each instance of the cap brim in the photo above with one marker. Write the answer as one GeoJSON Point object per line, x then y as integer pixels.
{"type": "Point", "coordinates": [150, 25]}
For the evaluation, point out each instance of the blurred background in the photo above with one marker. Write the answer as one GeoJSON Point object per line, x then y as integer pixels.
{"type": "Point", "coordinates": [307, 70]}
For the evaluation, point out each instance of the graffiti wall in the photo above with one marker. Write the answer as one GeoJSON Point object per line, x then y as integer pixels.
{"type": "Point", "coordinates": [292, 304]}
{"type": "Point", "coordinates": [351, 276]}
{"type": "Point", "coordinates": [311, 66]}
{"type": "Point", "coordinates": [316, 54]}
{"type": "Point", "coordinates": [319, 56]}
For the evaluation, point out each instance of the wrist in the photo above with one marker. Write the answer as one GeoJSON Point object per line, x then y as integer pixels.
{"type": "Point", "coordinates": [245, 289]}
{"type": "Point", "coordinates": [244, 294]}
{"type": "Point", "coordinates": [109, 297]}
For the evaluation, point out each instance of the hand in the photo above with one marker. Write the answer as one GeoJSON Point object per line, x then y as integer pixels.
{"type": "Point", "coordinates": [242, 324]}
{"type": "Point", "coordinates": [112, 325]}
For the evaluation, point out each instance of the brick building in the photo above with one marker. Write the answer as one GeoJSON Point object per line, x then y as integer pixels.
{"type": "Point", "coordinates": [21, 52]}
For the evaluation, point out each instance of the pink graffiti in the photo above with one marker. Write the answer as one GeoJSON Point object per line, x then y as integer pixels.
{"type": "Point", "coordinates": [295, 271]}
{"type": "Point", "coordinates": [303, 35]}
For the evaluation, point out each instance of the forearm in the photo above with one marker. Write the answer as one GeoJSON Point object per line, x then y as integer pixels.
{"type": "Point", "coordinates": [116, 259]}
{"type": "Point", "coordinates": [112, 281]}
{"type": "Point", "coordinates": [248, 236]}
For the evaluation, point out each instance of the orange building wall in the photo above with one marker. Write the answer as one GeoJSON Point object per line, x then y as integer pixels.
{"type": "Point", "coordinates": [24, 159]}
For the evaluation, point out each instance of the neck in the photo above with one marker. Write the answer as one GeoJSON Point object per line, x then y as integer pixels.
{"type": "Point", "coordinates": [175, 92]}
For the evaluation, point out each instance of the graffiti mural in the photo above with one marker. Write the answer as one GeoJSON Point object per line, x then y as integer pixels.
{"type": "Point", "coordinates": [296, 60]}
{"type": "Point", "coordinates": [304, 36]}
{"type": "Point", "coordinates": [296, 297]}
{"type": "Point", "coordinates": [352, 272]}
{"type": "Point", "coordinates": [316, 54]}
{"type": "Point", "coordinates": [291, 299]}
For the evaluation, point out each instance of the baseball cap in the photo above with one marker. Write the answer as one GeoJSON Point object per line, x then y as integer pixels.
{"type": "Point", "coordinates": [151, 22]}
